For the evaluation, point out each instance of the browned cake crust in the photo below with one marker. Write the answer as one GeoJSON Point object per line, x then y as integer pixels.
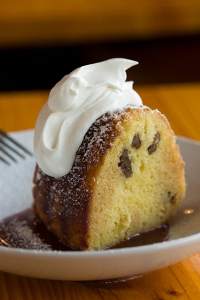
{"type": "Point", "coordinates": [65, 204]}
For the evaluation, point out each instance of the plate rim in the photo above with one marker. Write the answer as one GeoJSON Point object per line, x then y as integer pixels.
{"type": "Point", "coordinates": [106, 255]}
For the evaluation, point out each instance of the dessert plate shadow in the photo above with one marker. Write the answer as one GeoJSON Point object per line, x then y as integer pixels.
{"type": "Point", "coordinates": [184, 233]}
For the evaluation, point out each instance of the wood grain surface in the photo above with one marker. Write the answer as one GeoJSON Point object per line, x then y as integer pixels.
{"type": "Point", "coordinates": [57, 22]}
{"type": "Point", "coordinates": [181, 105]}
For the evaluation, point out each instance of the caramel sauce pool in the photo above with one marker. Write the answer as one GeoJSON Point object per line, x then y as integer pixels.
{"type": "Point", "coordinates": [25, 231]}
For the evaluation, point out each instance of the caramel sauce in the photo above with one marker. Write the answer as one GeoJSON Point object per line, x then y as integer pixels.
{"type": "Point", "coordinates": [25, 231]}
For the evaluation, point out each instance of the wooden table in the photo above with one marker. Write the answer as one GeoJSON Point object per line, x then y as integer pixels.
{"type": "Point", "coordinates": [44, 22]}
{"type": "Point", "coordinates": [181, 104]}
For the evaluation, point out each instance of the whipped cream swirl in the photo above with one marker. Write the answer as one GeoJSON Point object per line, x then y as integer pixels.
{"type": "Point", "coordinates": [74, 104]}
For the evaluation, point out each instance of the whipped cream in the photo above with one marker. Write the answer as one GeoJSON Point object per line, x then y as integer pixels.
{"type": "Point", "coordinates": [74, 104]}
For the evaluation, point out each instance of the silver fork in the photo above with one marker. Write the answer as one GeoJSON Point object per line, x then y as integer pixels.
{"type": "Point", "coordinates": [9, 146]}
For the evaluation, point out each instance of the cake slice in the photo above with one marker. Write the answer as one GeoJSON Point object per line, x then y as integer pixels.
{"type": "Point", "coordinates": [127, 177]}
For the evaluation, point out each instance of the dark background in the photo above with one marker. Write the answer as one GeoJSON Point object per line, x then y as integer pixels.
{"type": "Point", "coordinates": [163, 60]}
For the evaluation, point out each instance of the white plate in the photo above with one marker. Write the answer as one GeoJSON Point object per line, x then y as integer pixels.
{"type": "Point", "coordinates": [97, 265]}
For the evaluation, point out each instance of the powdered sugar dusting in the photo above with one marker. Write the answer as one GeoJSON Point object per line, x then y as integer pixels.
{"type": "Point", "coordinates": [20, 235]}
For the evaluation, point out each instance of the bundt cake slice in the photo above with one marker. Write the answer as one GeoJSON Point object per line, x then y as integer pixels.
{"type": "Point", "coordinates": [127, 177]}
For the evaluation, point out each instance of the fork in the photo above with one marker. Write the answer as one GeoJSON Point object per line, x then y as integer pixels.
{"type": "Point", "coordinates": [9, 145]}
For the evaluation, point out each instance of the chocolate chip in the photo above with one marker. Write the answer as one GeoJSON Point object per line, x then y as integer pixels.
{"type": "Point", "coordinates": [172, 198]}
{"type": "Point", "coordinates": [136, 143]}
{"type": "Point", "coordinates": [153, 146]}
{"type": "Point", "coordinates": [125, 164]}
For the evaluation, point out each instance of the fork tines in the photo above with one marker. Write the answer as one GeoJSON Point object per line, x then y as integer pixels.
{"type": "Point", "coordinates": [9, 148]}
